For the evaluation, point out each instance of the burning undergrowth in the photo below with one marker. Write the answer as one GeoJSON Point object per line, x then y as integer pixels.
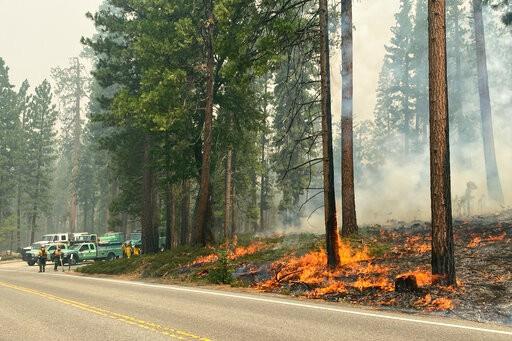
{"type": "Point", "coordinates": [232, 251]}
{"type": "Point", "coordinates": [400, 276]}
{"type": "Point", "coordinates": [385, 267]}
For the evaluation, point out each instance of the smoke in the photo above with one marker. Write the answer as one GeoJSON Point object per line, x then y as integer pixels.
{"type": "Point", "coordinates": [399, 190]}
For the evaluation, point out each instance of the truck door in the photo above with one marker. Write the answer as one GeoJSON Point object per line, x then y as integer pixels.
{"type": "Point", "coordinates": [84, 251]}
{"type": "Point", "coordinates": [93, 251]}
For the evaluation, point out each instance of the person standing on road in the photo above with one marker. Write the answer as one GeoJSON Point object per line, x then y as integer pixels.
{"type": "Point", "coordinates": [57, 258]}
{"type": "Point", "coordinates": [41, 259]}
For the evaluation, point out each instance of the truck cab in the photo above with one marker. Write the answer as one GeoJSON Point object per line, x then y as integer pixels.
{"type": "Point", "coordinates": [90, 251]}
{"type": "Point", "coordinates": [31, 256]}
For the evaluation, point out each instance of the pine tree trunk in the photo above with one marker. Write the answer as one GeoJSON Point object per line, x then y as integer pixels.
{"type": "Point", "coordinates": [185, 212]}
{"type": "Point", "coordinates": [93, 214]}
{"type": "Point", "coordinates": [263, 189]}
{"type": "Point", "coordinates": [233, 225]}
{"type": "Point", "coordinates": [443, 259]}
{"type": "Point", "coordinates": [170, 217]}
{"type": "Point", "coordinates": [85, 217]}
{"type": "Point", "coordinates": [227, 192]}
{"type": "Point", "coordinates": [331, 223]}
{"type": "Point", "coordinates": [124, 223]}
{"type": "Point", "coordinates": [348, 203]}
{"type": "Point", "coordinates": [35, 204]}
{"type": "Point", "coordinates": [18, 217]}
{"type": "Point", "coordinates": [199, 232]}
{"type": "Point", "coordinates": [113, 193]}
{"type": "Point", "coordinates": [149, 237]}
{"type": "Point", "coordinates": [264, 175]}
{"type": "Point", "coordinates": [76, 152]}
{"type": "Point", "coordinates": [18, 196]}
{"type": "Point", "coordinates": [407, 113]}
{"type": "Point", "coordinates": [493, 179]}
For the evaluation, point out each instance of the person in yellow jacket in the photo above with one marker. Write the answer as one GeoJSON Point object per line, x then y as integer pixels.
{"type": "Point", "coordinates": [136, 250]}
{"type": "Point", "coordinates": [57, 258]}
{"type": "Point", "coordinates": [128, 250]}
{"type": "Point", "coordinates": [42, 256]}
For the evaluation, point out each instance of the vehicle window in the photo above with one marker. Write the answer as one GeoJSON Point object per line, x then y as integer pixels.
{"type": "Point", "coordinates": [93, 247]}
{"type": "Point", "coordinates": [84, 247]}
{"type": "Point", "coordinates": [51, 248]}
{"type": "Point", "coordinates": [63, 237]}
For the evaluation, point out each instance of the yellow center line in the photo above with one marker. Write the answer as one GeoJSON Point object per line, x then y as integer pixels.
{"type": "Point", "coordinates": [170, 332]}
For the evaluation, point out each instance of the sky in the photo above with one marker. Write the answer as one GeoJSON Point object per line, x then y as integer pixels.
{"type": "Point", "coordinates": [36, 35]}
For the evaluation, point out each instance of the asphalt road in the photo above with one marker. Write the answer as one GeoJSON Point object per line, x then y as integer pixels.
{"type": "Point", "coordinates": [57, 306]}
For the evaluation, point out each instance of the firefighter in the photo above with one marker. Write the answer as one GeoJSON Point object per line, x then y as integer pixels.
{"type": "Point", "coordinates": [136, 250]}
{"type": "Point", "coordinates": [129, 250]}
{"type": "Point", "coordinates": [57, 258]}
{"type": "Point", "coordinates": [41, 259]}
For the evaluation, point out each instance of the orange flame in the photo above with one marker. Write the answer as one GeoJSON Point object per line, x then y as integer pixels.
{"type": "Point", "coordinates": [238, 251]}
{"type": "Point", "coordinates": [423, 278]}
{"type": "Point", "coordinates": [379, 283]}
{"type": "Point", "coordinates": [206, 259]}
{"type": "Point", "coordinates": [474, 242]}
{"type": "Point", "coordinates": [438, 304]}
{"type": "Point", "coordinates": [442, 303]}
{"type": "Point", "coordinates": [311, 269]}
{"type": "Point", "coordinates": [416, 244]}
{"type": "Point", "coordinates": [478, 240]}
{"type": "Point", "coordinates": [241, 251]}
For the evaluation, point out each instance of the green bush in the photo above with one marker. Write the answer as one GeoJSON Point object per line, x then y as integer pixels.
{"type": "Point", "coordinates": [221, 274]}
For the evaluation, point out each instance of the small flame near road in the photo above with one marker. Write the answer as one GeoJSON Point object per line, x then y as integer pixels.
{"type": "Point", "coordinates": [311, 270]}
{"type": "Point", "coordinates": [232, 253]}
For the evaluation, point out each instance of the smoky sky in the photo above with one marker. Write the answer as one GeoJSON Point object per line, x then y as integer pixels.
{"type": "Point", "coordinates": [36, 35]}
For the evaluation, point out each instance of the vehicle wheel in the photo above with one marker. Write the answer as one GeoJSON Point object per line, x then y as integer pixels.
{"type": "Point", "coordinates": [111, 256]}
{"type": "Point", "coordinates": [31, 263]}
{"type": "Point", "coordinates": [74, 260]}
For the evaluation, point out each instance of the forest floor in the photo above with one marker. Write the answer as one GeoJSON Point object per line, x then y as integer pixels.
{"type": "Point", "coordinates": [295, 265]}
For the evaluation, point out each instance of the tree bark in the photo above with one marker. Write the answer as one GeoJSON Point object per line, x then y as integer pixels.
{"type": "Point", "coordinates": [264, 175]}
{"type": "Point", "coordinates": [227, 193]}
{"type": "Point", "coordinates": [170, 217]}
{"type": "Point", "coordinates": [18, 194]}
{"type": "Point", "coordinates": [36, 202]}
{"type": "Point", "coordinates": [493, 179]}
{"type": "Point", "coordinates": [185, 212]}
{"type": "Point", "coordinates": [199, 232]}
{"type": "Point", "coordinates": [348, 203]}
{"type": "Point", "coordinates": [443, 259]}
{"type": "Point", "coordinates": [85, 217]}
{"type": "Point", "coordinates": [407, 113]}
{"type": "Point", "coordinates": [331, 223]}
{"type": "Point", "coordinates": [149, 235]}
{"type": "Point", "coordinates": [18, 216]}
{"type": "Point", "coordinates": [73, 219]}
{"type": "Point", "coordinates": [124, 223]}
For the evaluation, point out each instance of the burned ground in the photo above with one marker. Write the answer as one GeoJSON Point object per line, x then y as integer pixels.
{"type": "Point", "coordinates": [372, 263]}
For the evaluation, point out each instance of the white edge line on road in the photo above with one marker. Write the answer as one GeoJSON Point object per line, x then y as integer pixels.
{"type": "Point", "coordinates": [281, 302]}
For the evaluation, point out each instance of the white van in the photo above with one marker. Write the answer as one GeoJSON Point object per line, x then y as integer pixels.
{"type": "Point", "coordinates": [56, 238]}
